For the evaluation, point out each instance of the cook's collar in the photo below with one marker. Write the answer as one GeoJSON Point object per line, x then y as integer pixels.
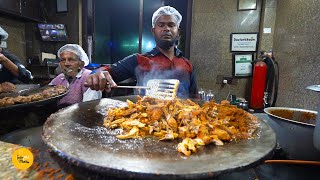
{"type": "Point", "coordinates": [155, 51]}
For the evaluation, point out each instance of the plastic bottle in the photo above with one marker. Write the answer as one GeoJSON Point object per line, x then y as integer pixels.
{"type": "Point", "coordinates": [201, 94]}
{"type": "Point", "coordinates": [209, 96]}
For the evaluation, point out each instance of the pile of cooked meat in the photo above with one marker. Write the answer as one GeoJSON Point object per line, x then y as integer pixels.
{"type": "Point", "coordinates": [7, 87]}
{"type": "Point", "coordinates": [195, 125]}
{"type": "Point", "coordinates": [47, 93]}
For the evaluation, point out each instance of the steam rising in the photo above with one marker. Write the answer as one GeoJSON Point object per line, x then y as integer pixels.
{"type": "Point", "coordinates": [156, 72]}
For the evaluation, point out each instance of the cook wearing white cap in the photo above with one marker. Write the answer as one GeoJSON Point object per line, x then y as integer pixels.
{"type": "Point", "coordinates": [11, 68]}
{"type": "Point", "coordinates": [165, 27]}
{"type": "Point", "coordinates": [4, 35]}
{"type": "Point", "coordinates": [166, 11]}
{"type": "Point", "coordinates": [72, 61]}
{"type": "Point", "coordinates": [165, 61]}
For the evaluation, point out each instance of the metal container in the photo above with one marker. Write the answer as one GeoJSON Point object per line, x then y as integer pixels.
{"type": "Point", "coordinates": [294, 137]}
{"type": "Point", "coordinates": [316, 133]}
{"type": "Point", "coordinates": [243, 105]}
{"type": "Point", "coordinates": [209, 96]}
{"type": "Point", "coordinates": [202, 94]}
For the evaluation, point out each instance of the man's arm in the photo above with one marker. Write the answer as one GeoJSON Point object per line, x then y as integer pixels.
{"type": "Point", "coordinates": [109, 75]}
{"type": "Point", "coordinates": [123, 69]}
{"type": "Point", "coordinates": [9, 65]}
{"type": "Point", "coordinates": [15, 67]}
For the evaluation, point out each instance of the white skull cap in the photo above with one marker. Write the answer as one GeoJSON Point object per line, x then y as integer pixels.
{"type": "Point", "coordinates": [166, 10]}
{"type": "Point", "coordinates": [4, 35]}
{"type": "Point", "coordinates": [76, 49]}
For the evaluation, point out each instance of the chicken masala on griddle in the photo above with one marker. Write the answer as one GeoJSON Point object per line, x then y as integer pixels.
{"type": "Point", "coordinates": [184, 119]}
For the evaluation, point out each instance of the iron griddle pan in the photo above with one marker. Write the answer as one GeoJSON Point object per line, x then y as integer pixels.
{"type": "Point", "coordinates": [77, 136]}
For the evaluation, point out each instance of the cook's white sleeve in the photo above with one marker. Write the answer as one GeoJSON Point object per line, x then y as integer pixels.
{"type": "Point", "coordinates": [91, 95]}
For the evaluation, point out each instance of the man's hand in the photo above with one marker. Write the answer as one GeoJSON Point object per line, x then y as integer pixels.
{"type": "Point", "coordinates": [2, 58]}
{"type": "Point", "coordinates": [100, 81]}
{"type": "Point", "coordinates": [13, 68]}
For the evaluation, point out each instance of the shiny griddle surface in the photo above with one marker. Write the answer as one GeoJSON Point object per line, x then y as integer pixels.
{"type": "Point", "coordinates": [76, 134]}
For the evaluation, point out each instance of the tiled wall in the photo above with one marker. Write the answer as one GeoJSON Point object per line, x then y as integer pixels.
{"type": "Point", "coordinates": [296, 46]}
{"type": "Point", "coordinates": [268, 20]}
{"type": "Point", "coordinates": [212, 23]}
{"type": "Point", "coordinates": [16, 43]}
{"type": "Point", "coordinates": [294, 37]}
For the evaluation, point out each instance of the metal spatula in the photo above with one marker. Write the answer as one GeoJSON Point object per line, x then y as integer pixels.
{"type": "Point", "coordinates": [314, 88]}
{"type": "Point", "coordinates": [165, 89]}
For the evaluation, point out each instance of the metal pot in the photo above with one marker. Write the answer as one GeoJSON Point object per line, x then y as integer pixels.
{"type": "Point", "coordinates": [316, 133]}
{"type": "Point", "coordinates": [243, 105]}
{"type": "Point", "coordinates": [295, 138]}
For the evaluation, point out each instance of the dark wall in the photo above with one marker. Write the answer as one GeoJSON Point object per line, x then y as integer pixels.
{"type": "Point", "coordinates": [16, 42]}
{"type": "Point", "coordinates": [70, 18]}
{"type": "Point", "coordinates": [24, 37]}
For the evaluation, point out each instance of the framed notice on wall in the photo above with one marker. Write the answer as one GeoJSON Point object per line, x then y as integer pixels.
{"type": "Point", "coordinates": [244, 5]}
{"type": "Point", "coordinates": [62, 6]}
{"type": "Point", "coordinates": [243, 42]}
{"type": "Point", "coordinates": [242, 64]}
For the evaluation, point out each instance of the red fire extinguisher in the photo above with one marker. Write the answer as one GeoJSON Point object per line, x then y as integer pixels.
{"type": "Point", "coordinates": [258, 84]}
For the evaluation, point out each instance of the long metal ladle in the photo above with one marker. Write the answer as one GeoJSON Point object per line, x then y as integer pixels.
{"type": "Point", "coordinates": [316, 133]}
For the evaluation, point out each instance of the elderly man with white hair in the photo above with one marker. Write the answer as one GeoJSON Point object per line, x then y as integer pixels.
{"type": "Point", "coordinates": [165, 61]}
{"type": "Point", "coordinates": [11, 68]}
{"type": "Point", "coordinates": [72, 61]}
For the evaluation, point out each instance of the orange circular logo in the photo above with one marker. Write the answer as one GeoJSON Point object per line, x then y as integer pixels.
{"type": "Point", "coordinates": [22, 158]}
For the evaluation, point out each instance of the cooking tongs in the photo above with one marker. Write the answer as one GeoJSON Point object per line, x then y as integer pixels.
{"type": "Point", "coordinates": [165, 89]}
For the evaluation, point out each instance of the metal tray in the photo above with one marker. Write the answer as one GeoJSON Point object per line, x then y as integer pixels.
{"type": "Point", "coordinates": [77, 136]}
{"type": "Point", "coordinates": [20, 88]}
{"type": "Point", "coordinates": [34, 103]}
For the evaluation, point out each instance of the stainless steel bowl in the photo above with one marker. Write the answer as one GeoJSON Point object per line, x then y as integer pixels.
{"type": "Point", "coordinates": [293, 136]}
{"type": "Point", "coordinates": [316, 134]}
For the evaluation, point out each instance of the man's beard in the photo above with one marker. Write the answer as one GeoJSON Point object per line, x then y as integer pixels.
{"type": "Point", "coordinates": [166, 44]}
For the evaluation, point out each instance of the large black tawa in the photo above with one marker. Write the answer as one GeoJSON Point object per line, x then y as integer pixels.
{"type": "Point", "coordinates": [77, 136]}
